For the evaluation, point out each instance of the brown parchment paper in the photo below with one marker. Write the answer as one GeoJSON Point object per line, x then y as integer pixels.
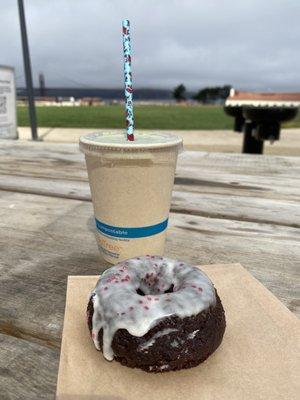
{"type": "Point", "coordinates": [258, 359]}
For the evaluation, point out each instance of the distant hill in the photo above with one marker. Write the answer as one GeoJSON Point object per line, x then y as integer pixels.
{"type": "Point", "coordinates": [105, 94]}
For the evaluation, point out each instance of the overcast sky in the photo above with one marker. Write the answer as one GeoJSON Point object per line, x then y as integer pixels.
{"type": "Point", "coordinates": [250, 44]}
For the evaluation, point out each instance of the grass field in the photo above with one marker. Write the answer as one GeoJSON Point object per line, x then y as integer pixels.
{"type": "Point", "coordinates": [146, 117]}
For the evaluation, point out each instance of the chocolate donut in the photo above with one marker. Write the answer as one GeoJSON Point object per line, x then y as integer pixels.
{"type": "Point", "coordinates": [155, 314]}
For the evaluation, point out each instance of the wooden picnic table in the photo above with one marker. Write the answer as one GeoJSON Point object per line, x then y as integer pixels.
{"type": "Point", "coordinates": [225, 208]}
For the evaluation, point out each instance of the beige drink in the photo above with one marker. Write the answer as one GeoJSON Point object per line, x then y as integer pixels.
{"type": "Point", "coordinates": [131, 185]}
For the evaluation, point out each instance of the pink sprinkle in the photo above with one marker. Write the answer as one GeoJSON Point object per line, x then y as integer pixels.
{"type": "Point", "coordinates": [141, 301]}
{"type": "Point", "coordinates": [131, 308]}
{"type": "Point", "coordinates": [105, 288]}
{"type": "Point", "coordinates": [149, 298]}
{"type": "Point", "coordinates": [168, 300]}
{"type": "Point", "coordinates": [200, 289]}
{"type": "Point", "coordinates": [146, 308]}
{"type": "Point", "coordinates": [181, 265]}
{"type": "Point", "coordinates": [122, 313]}
{"type": "Point", "coordinates": [127, 277]}
{"type": "Point", "coordinates": [194, 286]}
{"type": "Point", "coordinates": [156, 299]}
{"type": "Point", "coordinates": [123, 280]}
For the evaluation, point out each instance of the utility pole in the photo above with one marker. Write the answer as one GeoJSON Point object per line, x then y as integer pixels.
{"type": "Point", "coordinates": [42, 84]}
{"type": "Point", "coordinates": [28, 75]}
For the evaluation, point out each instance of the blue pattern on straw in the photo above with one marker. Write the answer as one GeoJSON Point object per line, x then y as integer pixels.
{"type": "Point", "coordinates": [128, 80]}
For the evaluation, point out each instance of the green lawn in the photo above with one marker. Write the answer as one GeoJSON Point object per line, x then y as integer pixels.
{"type": "Point", "coordinates": [295, 123]}
{"type": "Point", "coordinates": [146, 117]}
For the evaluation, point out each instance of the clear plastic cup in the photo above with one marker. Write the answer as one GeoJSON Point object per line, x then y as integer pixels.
{"type": "Point", "coordinates": [131, 185]}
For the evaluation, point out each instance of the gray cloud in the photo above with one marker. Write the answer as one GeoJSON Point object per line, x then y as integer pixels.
{"type": "Point", "coordinates": [251, 44]}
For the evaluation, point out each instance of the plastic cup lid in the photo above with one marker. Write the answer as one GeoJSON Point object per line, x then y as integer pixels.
{"type": "Point", "coordinates": [117, 141]}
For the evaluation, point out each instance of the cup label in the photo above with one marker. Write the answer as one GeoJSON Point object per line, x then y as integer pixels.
{"type": "Point", "coordinates": [131, 233]}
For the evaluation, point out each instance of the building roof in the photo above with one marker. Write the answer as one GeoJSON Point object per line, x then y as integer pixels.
{"type": "Point", "coordinates": [256, 99]}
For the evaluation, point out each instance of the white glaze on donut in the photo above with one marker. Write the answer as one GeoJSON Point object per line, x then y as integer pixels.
{"type": "Point", "coordinates": [150, 342]}
{"type": "Point", "coordinates": [193, 334]}
{"type": "Point", "coordinates": [117, 305]}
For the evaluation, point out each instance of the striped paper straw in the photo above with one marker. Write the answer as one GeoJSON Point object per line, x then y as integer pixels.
{"type": "Point", "coordinates": [128, 80]}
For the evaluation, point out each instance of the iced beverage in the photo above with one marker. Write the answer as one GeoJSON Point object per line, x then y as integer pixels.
{"type": "Point", "coordinates": [131, 185]}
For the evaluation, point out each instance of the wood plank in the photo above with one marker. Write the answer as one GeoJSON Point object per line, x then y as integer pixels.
{"type": "Point", "coordinates": [243, 208]}
{"type": "Point", "coordinates": [69, 153]}
{"type": "Point", "coordinates": [249, 188]}
{"type": "Point", "coordinates": [63, 161]}
{"type": "Point", "coordinates": [70, 189]}
{"type": "Point", "coordinates": [41, 240]}
{"type": "Point", "coordinates": [38, 159]}
{"type": "Point", "coordinates": [238, 208]}
{"type": "Point", "coordinates": [44, 239]}
{"type": "Point", "coordinates": [50, 238]}
{"type": "Point", "coordinates": [28, 371]}
{"type": "Point", "coordinates": [197, 179]}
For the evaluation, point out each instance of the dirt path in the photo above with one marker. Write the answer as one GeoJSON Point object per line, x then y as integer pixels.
{"type": "Point", "coordinates": [216, 141]}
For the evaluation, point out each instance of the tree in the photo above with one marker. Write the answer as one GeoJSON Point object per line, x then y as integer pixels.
{"type": "Point", "coordinates": [179, 93]}
{"type": "Point", "coordinates": [212, 94]}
